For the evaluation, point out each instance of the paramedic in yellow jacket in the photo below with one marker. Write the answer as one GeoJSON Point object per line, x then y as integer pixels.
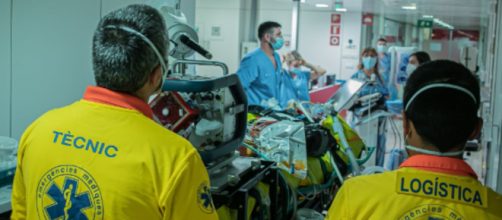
{"type": "Point", "coordinates": [103, 157]}
{"type": "Point", "coordinates": [441, 101]}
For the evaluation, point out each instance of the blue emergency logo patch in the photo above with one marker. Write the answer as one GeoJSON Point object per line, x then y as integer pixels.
{"type": "Point", "coordinates": [204, 198]}
{"type": "Point", "coordinates": [68, 192]}
{"type": "Point", "coordinates": [431, 212]}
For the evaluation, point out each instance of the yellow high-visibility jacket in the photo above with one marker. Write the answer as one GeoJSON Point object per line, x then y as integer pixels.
{"type": "Point", "coordinates": [103, 157]}
{"type": "Point", "coordinates": [425, 187]}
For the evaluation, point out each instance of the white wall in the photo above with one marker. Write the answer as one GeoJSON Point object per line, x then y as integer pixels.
{"type": "Point", "coordinates": [314, 33]}
{"type": "Point", "coordinates": [51, 54]}
{"type": "Point", "coordinates": [225, 15]}
{"type": "Point", "coordinates": [314, 40]}
{"type": "Point", "coordinates": [351, 29]}
{"type": "Point", "coordinates": [280, 12]}
{"type": "Point", "coordinates": [5, 73]}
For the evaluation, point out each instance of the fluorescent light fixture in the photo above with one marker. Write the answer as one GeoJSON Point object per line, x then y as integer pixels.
{"type": "Point", "coordinates": [409, 7]}
{"type": "Point", "coordinates": [322, 5]}
{"type": "Point", "coordinates": [443, 24]}
{"type": "Point", "coordinates": [303, 1]}
{"type": "Point", "coordinates": [341, 9]}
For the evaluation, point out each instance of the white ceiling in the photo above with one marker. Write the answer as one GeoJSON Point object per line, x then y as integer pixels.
{"type": "Point", "coordinates": [462, 14]}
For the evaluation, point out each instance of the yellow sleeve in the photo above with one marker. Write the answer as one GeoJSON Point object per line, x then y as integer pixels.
{"type": "Point", "coordinates": [339, 208]}
{"type": "Point", "coordinates": [18, 196]}
{"type": "Point", "coordinates": [188, 195]}
{"type": "Point", "coordinates": [18, 199]}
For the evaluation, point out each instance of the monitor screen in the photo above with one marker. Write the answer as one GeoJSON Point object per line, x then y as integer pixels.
{"type": "Point", "coordinates": [344, 98]}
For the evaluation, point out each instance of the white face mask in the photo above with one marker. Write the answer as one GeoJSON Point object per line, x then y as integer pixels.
{"type": "Point", "coordinates": [434, 153]}
{"type": "Point", "coordinates": [410, 68]}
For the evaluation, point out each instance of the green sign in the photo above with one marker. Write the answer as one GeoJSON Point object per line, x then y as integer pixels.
{"type": "Point", "coordinates": [422, 23]}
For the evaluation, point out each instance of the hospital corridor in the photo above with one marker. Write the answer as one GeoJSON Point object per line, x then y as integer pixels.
{"type": "Point", "coordinates": [251, 109]}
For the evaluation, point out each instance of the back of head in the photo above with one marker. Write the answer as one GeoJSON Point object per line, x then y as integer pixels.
{"type": "Point", "coordinates": [122, 61]}
{"type": "Point", "coordinates": [443, 117]}
{"type": "Point", "coordinates": [267, 27]}
{"type": "Point", "coordinates": [421, 56]}
{"type": "Point", "coordinates": [296, 55]}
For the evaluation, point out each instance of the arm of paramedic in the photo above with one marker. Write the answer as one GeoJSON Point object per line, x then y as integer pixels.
{"type": "Point", "coordinates": [18, 188]}
{"type": "Point", "coordinates": [248, 71]}
{"type": "Point", "coordinates": [316, 71]}
{"type": "Point", "coordinates": [188, 194]}
{"type": "Point", "coordinates": [339, 208]}
{"type": "Point", "coordinates": [18, 196]}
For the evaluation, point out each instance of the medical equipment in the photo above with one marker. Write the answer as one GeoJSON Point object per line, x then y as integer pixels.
{"type": "Point", "coordinates": [8, 151]}
{"type": "Point", "coordinates": [344, 98]}
{"type": "Point", "coordinates": [282, 141]}
{"type": "Point", "coordinates": [211, 113]}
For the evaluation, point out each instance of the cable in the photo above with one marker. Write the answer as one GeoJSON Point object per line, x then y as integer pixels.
{"type": "Point", "coordinates": [400, 138]}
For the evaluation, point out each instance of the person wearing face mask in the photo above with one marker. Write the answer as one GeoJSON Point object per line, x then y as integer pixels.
{"type": "Point", "coordinates": [260, 70]}
{"type": "Point", "coordinates": [104, 157]}
{"type": "Point", "coordinates": [368, 71]}
{"type": "Point", "coordinates": [300, 77]}
{"type": "Point", "coordinates": [441, 102]}
{"type": "Point", "coordinates": [416, 59]}
{"type": "Point", "coordinates": [384, 65]}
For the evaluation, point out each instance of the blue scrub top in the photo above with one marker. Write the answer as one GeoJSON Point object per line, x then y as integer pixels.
{"type": "Point", "coordinates": [368, 89]}
{"type": "Point", "coordinates": [301, 79]}
{"type": "Point", "coordinates": [258, 76]}
{"type": "Point", "coordinates": [287, 90]}
{"type": "Point", "coordinates": [384, 69]}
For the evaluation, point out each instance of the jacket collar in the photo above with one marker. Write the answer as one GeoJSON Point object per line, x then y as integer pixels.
{"type": "Point", "coordinates": [118, 99]}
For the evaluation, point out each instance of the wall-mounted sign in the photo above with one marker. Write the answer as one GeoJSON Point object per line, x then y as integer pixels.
{"type": "Point", "coordinates": [424, 23]}
{"type": "Point", "coordinates": [334, 35]}
{"type": "Point", "coordinates": [335, 29]}
{"type": "Point", "coordinates": [367, 19]}
{"type": "Point", "coordinates": [336, 18]}
{"type": "Point", "coordinates": [334, 41]}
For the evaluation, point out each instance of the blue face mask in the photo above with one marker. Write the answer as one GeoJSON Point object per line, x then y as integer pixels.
{"type": "Point", "coordinates": [381, 48]}
{"type": "Point", "coordinates": [279, 42]}
{"type": "Point", "coordinates": [369, 62]}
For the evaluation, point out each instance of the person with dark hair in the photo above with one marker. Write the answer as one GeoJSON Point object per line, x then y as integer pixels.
{"type": "Point", "coordinates": [260, 70]}
{"type": "Point", "coordinates": [301, 77]}
{"type": "Point", "coordinates": [104, 157]}
{"type": "Point", "coordinates": [441, 102]}
{"type": "Point", "coordinates": [415, 60]}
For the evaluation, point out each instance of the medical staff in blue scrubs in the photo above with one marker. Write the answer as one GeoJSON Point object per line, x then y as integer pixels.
{"type": "Point", "coordinates": [300, 76]}
{"type": "Point", "coordinates": [287, 91]}
{"type": "Point", "coordinates": [260, 70]}
{"type": "Point", "coordinates": [384, 67]}
{"type": "Point", "coordinates": [368, 71]}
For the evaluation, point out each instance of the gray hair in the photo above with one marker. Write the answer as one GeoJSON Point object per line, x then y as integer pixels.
{"type": "Point", "coordinates": [122, 61]}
